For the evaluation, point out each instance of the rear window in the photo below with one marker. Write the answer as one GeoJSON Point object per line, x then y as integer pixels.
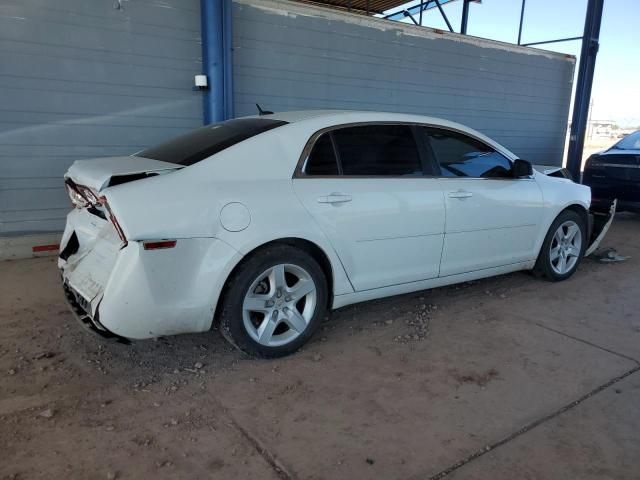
{"type": "Point", "coordinates": [206, 141]}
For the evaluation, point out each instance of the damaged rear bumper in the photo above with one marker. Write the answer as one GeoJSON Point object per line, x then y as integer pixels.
{"type": "Point", "coordinates": [81, 311]}
{"type": "Point", "coordinates": [125, 291]}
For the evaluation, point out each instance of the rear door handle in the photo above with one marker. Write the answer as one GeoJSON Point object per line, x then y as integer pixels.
{"type": "Point", "coordinates": [461, 194]}
{"type": "Point", "coordinates": [335, 198]}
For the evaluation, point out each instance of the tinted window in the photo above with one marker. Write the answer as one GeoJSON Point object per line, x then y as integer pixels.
{"type": "Point", "coordinates": [322, 159]}
{"type": "Point", "coordinates": [630, 142]}
{"type": "Point", "coordinates": [462, 156]}
{"type": "Point", "coordinates": [206, 141]}
{"type": "Point", "coordinates": [377, 150]}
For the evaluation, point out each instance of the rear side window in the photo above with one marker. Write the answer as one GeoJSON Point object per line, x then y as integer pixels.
{"type": "Point", "coordinates": [322, 159]}
{"type": "Point", "coordinates": [461, 156]}
{"type": "Point", "coordinates": [209, 140]}
{"type": "Point", "coordinates": [378, 150]}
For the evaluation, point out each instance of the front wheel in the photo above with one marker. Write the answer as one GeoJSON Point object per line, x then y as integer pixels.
{"type": "Point", "coordinates": [274, 302]}
{"type": "Point", "coordinates": [563, 247]}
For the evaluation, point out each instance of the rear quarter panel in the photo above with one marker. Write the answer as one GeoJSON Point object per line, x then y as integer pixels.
{"type": "Point", "coordinates": [256, 173]}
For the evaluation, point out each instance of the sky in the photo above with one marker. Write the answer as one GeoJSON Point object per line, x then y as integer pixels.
{"type": "Point", "coordinates": [616, 86]}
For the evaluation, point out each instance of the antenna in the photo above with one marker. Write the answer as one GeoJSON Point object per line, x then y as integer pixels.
{"type": "Point", "coordinates": [263, 112]}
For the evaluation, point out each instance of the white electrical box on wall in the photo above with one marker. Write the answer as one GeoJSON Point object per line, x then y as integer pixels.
{"type": "Point", "coordinates": [201, 81]}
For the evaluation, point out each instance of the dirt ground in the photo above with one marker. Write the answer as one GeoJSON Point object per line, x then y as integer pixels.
{"type": "Point", "coordinates": [507, 378]}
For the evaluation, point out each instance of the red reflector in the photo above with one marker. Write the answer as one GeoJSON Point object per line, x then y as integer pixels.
{"type": "Point", "coordinates": [157, 245]}
{"type": "Point", "coordinates": [45, 248]}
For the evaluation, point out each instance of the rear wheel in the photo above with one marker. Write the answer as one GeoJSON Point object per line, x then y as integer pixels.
{"type": "Point", "coordinates": [563, 247]}
{"type": "Point", "coordinates": [274, 302]}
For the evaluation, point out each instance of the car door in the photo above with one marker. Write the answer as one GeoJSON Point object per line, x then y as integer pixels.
{"type": "Point", "coordinates": [492, 218]}
{"type": "Point", "coordinates": [365, 186]}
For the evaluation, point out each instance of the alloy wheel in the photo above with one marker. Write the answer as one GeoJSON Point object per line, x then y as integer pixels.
{"type": "Point", "coordinates": [279, 305]}
{"type": "Point", "coordinates": [565, 248]}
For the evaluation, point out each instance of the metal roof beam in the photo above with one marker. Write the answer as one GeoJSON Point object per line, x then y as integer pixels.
{"type": "Point", "coordinates": [444, 15]}
{"type": "Point", "coordinates": [417, 9]}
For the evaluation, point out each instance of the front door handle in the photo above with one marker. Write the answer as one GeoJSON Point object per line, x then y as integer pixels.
{"type": "Point", "coordinates": [461, 194]}
{"type": "Point", "coordinates": [335, 198]}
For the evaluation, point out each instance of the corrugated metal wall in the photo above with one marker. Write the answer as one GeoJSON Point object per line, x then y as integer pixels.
{"type": "Point", "coordinates": [81, 79]}
{"type": "Point", "coordinates": [291, 56]}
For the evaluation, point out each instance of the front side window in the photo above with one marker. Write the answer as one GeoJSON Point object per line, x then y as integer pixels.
{"type": "Point", "coordinates": [461, 156]}
{"type": "Point", "coordinates": [209, 140]}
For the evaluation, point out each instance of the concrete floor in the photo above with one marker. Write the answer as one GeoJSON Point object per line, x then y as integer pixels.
{"type": "Point", "coordinates": [511, 377]}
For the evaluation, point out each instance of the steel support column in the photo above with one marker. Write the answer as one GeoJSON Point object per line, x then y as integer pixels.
{"type": "Point", "coordinates": [216, 59]}
{"type": "Point", "coordinates": [465, 16]}
{"type": "Point", "coordinates": [588, 54]}
{"type": "Point", "coordinates": [521, 20]}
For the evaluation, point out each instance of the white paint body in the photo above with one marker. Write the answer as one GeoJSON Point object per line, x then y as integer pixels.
{"type": "Point", "coordinates": [396, 235]}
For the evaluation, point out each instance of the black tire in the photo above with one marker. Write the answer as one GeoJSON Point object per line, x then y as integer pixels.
{"type": "Point", "coordinates": [544, 266]}
{"type": "Point", "coordinates": [232, 321]}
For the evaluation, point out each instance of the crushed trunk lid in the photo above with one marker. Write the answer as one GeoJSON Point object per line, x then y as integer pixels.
{"type": "Point", "coordinates": [99, 173]}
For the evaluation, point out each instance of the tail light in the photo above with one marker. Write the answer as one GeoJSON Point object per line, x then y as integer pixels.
{"type": "Point", "coordinates": [81, 197]}
{"type": "Point", "coordinates": [77, 199]}
{"type": "Point", "coordinates": [114, 220]}
{"type": "Point", "coordinates": [87, 193]}
{"type": "Point", "coordinates": [593, 162]}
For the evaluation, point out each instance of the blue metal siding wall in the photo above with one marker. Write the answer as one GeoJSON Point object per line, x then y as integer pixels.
{"type": "Point", "coordinates": [290, 56]}
{"type": "Point", "coordinates": [82, 79]}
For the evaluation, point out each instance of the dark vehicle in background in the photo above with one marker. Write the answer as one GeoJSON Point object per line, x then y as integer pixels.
{"type": "Point", "coordinates": [615, 174]}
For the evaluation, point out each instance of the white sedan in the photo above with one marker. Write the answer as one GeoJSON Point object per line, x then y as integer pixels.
{"type": "Point", "coordinates": [262, 224]}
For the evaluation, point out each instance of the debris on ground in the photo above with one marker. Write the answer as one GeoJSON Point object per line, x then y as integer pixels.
{"type": "Point", "coordinates": [419, 326]}
{"type": "Point", "coordinates": [48, 413]}
{"type": "Point", "coordinates": [479, 379]}
{"type": "Point", "coordinates": [610, 255]}
{"type": "Point", "coordinates": [42, 355]}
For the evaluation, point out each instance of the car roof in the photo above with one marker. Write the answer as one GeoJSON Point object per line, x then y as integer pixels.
{"type": "Point", "coordinates": [317, 119]}
{"type": "Point", "coordinates": [363, 115]}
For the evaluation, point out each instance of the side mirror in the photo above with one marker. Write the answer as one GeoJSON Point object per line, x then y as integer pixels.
{"type": "Point", "coordinates": [522, 168]}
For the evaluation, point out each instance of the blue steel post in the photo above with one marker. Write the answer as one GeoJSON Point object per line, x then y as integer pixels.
{"type": "Point", "coordinates": [216, 59]}
{"type": "Point", "coordinates": [521, 20]}
{"type": "Point", "coordinates": [465, 16]}
{"type": "Point", "coordinates": [583, 86]}
{"type": "Point", "coordinates": [227, 44]}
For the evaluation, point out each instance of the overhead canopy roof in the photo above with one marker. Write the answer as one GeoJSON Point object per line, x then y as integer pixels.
{"type": "Point", "coordinates": [368, 6]}
{"type": "Point", "coordinates": [373, 6]}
